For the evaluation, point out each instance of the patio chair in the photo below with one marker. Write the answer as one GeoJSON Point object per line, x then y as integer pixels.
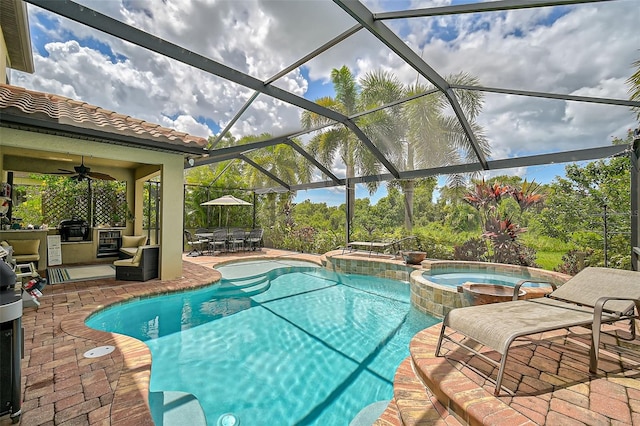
{"type": "Point", "coordinates": [254, 240]}
{"type": "Point", "coordinates": [218, 241]}
{"type": "Point", "coordinates": [129, 245]}
{"type": "Point", "coordinates": [237, 239]}
{"type": "Point", "coordinates": [197, 245]}
{"type": "Point", "coordinates": [593, 297]}
{"type": "Point", "coordinates": [203, 234]}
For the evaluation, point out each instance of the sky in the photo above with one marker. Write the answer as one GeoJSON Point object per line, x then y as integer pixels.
{"type": "Point", "coordinates": [585, 50]}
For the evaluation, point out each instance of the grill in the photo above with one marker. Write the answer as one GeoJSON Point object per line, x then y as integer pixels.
{"type": "Point", "coordinates": [74, 230]}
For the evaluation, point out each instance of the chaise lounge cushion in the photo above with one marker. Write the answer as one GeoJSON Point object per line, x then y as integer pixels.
{"type": "Point", "coordinates": [592, 297]}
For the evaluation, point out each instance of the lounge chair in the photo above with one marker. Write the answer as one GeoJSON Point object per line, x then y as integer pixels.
{"type": "Point", "coordinates": [593, 297]}
{"type": "Point", "coordinates": [143, 266]}
{"type": "Point", "coordinates": [129, 245]}
{"type": "Point", "coordinates": [393, 246]}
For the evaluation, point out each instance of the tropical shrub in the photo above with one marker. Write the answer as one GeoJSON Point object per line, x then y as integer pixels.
{"type": "Point", "coordinates": [474, 249]}
{"type": "Point", "coordinates": [574, 261]}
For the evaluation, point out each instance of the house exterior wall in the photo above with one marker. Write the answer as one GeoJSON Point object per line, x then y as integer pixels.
{"type": "Point", "coordinates": [4, 58]}
{"type": "Point", "coordinates": [170, 167]}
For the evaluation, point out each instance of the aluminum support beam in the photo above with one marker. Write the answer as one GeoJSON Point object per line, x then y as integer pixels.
{"type": "Point", "coordinates": [264, 171]}
{"type": "Point", "coordinates": [533, 160]}
{"type": "Point", "coordinates": [493, 6]}
{"type": "Point", "coordinates": [635, 203]}
{"type": "Point", "coordinates": [374, 149]}
{"type": "Point", "coordinates": [589, 99]}
{"type": "Point", "coordinates": [315, 162]}
{"type": "Point", "coordinates": [228, 153]}
{"type": "Point", "coordinates": [361, 14]}
{"type": "Point", "coordinates": [234, 119]}
{"type": "Point", "coordinates": [96, 20]}
{"type": "Point", "coordinates": [284, 72]}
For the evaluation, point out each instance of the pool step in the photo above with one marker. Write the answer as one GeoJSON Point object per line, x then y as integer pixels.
{"type": "Point", "coordinates": [176, 408]}
{"type": "Point", "coordinates": [243, 287]}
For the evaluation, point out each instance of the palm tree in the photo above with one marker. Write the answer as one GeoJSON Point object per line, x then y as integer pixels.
{"type": "Point", "coordinates": [634, 82]}
{"type": "Point", "coordinates": [281, 161]}
{"type": "Point", "coordinates": [339, 141]}
{"type": "Point", "coordinates": [429, 137]}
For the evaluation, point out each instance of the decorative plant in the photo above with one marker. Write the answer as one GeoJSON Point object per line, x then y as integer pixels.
{"type": "Point", "coordinates": [474, 249]}
{"type": "Point", "coordinates": [500, 230]}
{"type": "Point", "coordinates": [574, 261]}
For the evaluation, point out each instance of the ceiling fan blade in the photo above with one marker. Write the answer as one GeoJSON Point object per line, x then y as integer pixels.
{"type": "Point", "coordinates": [101, 176]}
{"type": "Point", "coordinates": [63, 172]}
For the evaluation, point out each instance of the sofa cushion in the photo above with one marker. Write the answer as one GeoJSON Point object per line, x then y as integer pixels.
{"type": "Point", "coordinates": [123, 262]}
{"type": "Point", "coordinates": [133, 240]}
{"type": "Point", "coordinates": [129, 251]}
{"type": "Point", "coordinates": [25, 247]}
{"type": "Point", "coordinates": [138, 256]}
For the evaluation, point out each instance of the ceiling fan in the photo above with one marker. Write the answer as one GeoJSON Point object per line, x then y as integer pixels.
{"type": "Point", "coordinates": [83, 172]}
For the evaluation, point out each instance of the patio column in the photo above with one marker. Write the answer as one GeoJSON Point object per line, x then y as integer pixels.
{"type": "Point", "coordinates": [635, 203]}
{"type": "Point", "coordinates": [171, 218]}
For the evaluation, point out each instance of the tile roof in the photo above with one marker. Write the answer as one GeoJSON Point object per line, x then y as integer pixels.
{"type": "Point", "coordinates": [18, 101]}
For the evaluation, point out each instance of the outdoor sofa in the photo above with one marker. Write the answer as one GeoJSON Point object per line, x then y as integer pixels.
{"type": "Point", "coordinates": [592, 297]}
{"type": "Point", "coordinates": [142, 266]}
{"type": "Point", "coordinates": [129, 245]}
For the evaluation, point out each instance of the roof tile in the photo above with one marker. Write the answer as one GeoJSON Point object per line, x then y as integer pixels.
{"type": "Point", "coordinates": [81, 114]}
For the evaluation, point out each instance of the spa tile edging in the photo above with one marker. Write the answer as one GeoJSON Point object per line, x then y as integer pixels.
{"type": "Point", "coordinates": [379, 267]}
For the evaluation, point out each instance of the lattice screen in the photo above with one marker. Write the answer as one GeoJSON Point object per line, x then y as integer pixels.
{"type": "Point", "coordinates": [99, 203]}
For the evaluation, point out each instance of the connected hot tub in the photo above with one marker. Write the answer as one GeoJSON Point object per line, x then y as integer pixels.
{"type": "Point", "coordinates": [438, 286]}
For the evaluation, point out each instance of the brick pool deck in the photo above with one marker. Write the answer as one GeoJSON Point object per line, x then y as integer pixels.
{"type": "Point", "coordinates": [62, 387]}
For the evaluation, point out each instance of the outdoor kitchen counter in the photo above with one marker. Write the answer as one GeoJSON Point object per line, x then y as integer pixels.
{"type": "Point", "coordinates": [31, 234]}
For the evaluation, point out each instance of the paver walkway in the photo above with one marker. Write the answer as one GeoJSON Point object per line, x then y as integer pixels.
{"type": "Point", "coordinates": [62, 387]}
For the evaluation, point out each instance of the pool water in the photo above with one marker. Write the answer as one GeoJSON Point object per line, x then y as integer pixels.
{"type": "Point", "coordinates": [454, 279]}
{"type": "Point", "coordinates": [293, 344]}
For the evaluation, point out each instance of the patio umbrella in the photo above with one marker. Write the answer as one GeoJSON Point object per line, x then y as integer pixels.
{"type": "Point", "coordinates": [226, 200]}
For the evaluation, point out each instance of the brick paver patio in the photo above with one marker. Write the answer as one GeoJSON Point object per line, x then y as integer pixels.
{"type": "Point", "coordinates": [62, 387]}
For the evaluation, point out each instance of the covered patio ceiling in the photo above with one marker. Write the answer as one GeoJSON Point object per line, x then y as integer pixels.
{"type": "Point", "coordinates": [387, 29]}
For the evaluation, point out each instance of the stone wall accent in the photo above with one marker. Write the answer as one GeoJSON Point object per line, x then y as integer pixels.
{"type": "Point", "coordinates": [379, 266]}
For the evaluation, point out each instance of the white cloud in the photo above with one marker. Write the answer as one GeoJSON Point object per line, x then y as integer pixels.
{"type": "Point", "coordinates": [588, 51]}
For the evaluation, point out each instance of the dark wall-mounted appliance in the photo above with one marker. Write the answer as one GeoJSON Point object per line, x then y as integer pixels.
{"type": "Point", "coordinates": [74, 230]}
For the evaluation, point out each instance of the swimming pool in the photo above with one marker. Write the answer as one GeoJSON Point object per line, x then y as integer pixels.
{"type": "Point", "coordinates": [292, 344]}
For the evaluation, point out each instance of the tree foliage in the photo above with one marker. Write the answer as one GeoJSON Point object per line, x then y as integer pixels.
{"type": "Point", "coordinates": [576, 204]}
